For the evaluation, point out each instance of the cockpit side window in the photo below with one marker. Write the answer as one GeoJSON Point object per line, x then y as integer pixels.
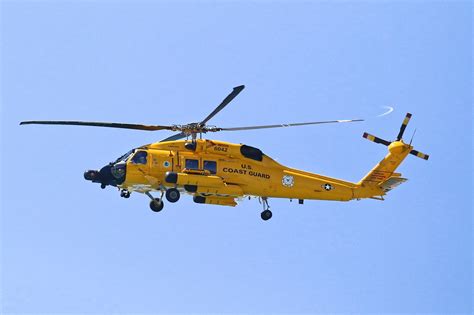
{"type": "Point", "coordinates": [139, 157]}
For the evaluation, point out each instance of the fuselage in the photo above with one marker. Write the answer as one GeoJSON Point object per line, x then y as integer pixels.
{"type": "Point", "coordinates": [224, 169]}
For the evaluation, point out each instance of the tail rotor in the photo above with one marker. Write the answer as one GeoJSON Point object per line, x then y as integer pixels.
{"type": "Point", "coordinates": [399, 139]}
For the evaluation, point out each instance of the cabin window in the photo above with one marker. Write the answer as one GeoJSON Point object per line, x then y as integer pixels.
{"type": "Point", "coordinates": [192, 164]}
{"type": "Point", "coordinates": [139, 157]}
{"type": "Point", "coordinates": [211, 166]}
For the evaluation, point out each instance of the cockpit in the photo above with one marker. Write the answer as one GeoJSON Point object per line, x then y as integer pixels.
{"type": "Point", "coordinates": [119, 167]}
{"type": "Point", "coordinates": [139, 157]}
{"type": "Point", "coordinates": [114, 173]}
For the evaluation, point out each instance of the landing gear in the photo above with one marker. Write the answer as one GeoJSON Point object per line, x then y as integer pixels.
{"type": "Point", "coordinates": [266, 214]}
{"type": "Point", "coordinates": [156, 204]}
{"type": "Point", "coordinates": [124, 193]}
{"type": "Point", "coordinates": [172, 195]}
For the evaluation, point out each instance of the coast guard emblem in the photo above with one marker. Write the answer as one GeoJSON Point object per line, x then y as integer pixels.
{"type": "Point", "coordinates": [288, 181]}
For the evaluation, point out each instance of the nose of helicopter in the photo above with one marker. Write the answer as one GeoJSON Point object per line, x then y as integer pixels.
{"type": "Point", "coordinates": [92, 175]}
{"type": "Point", "coordinates": [108, 175]}
{"type": "Point", "coordinates": [104, 176]}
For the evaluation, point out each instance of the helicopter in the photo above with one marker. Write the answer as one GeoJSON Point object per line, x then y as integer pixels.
{"type": "Point", "coordinates": [222, 173]}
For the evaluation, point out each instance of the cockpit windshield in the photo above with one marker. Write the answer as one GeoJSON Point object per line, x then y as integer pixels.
{"type": "Point", "coordinates": [124, 157]}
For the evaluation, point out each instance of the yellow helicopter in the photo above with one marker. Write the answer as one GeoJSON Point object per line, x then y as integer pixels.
{"type": "Point", "coordinates": [221, 173]}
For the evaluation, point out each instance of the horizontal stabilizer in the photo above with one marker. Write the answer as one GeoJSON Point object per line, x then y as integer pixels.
{"type": "Point", "coordinates": [391, 183]}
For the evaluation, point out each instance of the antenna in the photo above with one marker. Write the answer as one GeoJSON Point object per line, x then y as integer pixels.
{"type": "Point", "coordinates": [412, 136]}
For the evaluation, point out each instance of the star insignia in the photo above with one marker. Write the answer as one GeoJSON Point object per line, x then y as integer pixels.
{"type": "Point", "coordinates": [327, 187]}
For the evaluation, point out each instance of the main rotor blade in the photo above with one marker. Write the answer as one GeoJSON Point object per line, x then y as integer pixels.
{"type": "Point", "coordinates": [403, 126]}
{"type": "Point", "coordinates": [177, 136]}
{"type": "Point", "coordinates": [96, 124]}
{"type": "Point", "coordinates": [226, 101]}
{"type": "Point", "coordinates": [289, 125]}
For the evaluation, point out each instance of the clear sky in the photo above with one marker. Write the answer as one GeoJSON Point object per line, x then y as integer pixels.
{"type": "Point", "coordinates": [68, 246]}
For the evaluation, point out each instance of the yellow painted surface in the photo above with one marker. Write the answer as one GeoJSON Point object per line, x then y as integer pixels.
{"type": "Point", "coordinates": [239, 176]}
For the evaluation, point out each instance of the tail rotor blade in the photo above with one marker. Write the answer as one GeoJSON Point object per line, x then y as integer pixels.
{"type": "Point", "coordinates": [419, 154]}
{"type": "Point", "coordinates": [403, 126]}
{"type": "Point", "coordinates": [375, 139]}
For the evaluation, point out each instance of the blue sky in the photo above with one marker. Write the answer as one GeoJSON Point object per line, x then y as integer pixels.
{"type": "Point", "coordinates": [68, 246]}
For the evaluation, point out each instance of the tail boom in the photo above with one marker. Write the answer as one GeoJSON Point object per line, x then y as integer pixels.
{"type": "Point", "coordinates": [382, 177]}
{"type": "Point", "coordinates": [398, 151]}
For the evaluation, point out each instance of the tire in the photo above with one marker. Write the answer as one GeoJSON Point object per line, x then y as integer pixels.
{"type": "Point", "coordinates": [266, 215]}
{"type": "Point", "coordinates": [156, 205]}
{"type": "Point", "coordinates": [172, 195]}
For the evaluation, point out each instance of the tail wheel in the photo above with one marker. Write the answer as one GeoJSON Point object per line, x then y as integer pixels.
{"type": "Point", "coordinates": [156, 205]}
{"type": "Point", "coordinates": [172, 195]}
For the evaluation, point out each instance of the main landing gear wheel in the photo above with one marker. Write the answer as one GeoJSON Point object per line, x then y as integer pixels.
{"type": "Point", "coordinates": [266, 215]}
{"type": "Point", "coordinates": [156, 205]}
{"type": "Point", "coordinates": [172, 195]}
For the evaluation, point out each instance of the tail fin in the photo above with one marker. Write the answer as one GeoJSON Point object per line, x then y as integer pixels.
{"type": "Point", "coordinates": [382, 177]}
